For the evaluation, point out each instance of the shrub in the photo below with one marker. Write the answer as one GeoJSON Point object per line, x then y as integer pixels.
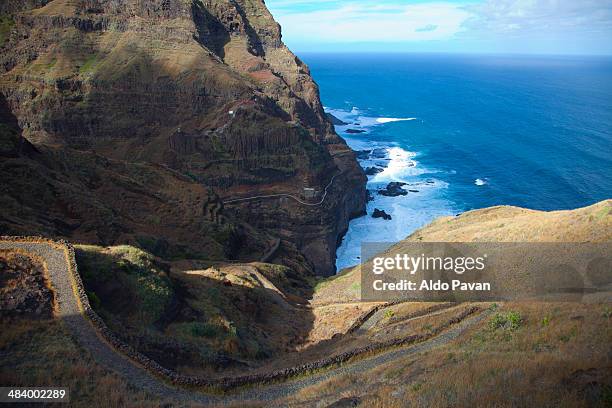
{"type": "Point", "coordinates": [511, 320]}
{"type": "Point", "coordinates": [416, 386]}
{"type": "Point", "coordinates": [497, 321]}
{"type": "Point", "coordinates": [94, 300]}
{"type": "Point", "coordinates": [203, 330]}
{"type": "Point", "coordinates": [515, 319]}
{"type": "Point", "coordinates": [569, 335]}
{"type": "Point", "coordinates": [232, 331]}
{"type": "Point", "coordinates": [389, 314]}
{"type": "Point", "coordinates": [6, 25]}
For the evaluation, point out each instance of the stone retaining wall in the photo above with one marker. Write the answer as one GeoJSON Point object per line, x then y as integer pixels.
{"type": "Point", "coordinates": [359, 322]}
{"type": "Point", "coordinates": [226, 382]}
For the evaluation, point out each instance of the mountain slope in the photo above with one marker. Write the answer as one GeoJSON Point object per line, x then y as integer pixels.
{"type": "Point", "coordinates": [204, 91]}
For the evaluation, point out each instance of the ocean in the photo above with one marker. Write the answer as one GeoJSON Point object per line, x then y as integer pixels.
{"type": "Point", "coordinates": [466, 132]}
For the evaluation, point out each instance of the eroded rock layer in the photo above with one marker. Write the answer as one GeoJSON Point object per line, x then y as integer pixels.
{"type": "Point", "coordinates": [144, 116]}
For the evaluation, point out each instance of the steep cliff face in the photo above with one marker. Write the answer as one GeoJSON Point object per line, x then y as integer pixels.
{"type": "Point", "coordinates": [204, 90]}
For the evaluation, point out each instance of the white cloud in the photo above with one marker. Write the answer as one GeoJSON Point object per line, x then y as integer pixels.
{"type": "Point", "coordinates": [373, 22]}
{"type": "Point", "coordinates": [513, 26]}
{"type": "Point", "coordinates": [525, 17]}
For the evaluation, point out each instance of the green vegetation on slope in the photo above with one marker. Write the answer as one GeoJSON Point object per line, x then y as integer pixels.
{"type": "Point", "coordinates": [193, 321]}
{"type": "Point", "coordinates": [141, 290]}
{"type": "Point", "coordinates": [89, 64]}
{"type": "Point", "coordinates": [6, 25]}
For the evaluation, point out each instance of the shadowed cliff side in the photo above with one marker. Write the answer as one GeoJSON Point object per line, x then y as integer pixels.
{"type": "Point", "coordinates": [202, 91]}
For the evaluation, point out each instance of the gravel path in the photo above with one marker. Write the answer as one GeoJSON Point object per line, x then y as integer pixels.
{"type": "Point", "coordinates": [238, 200]}
{"type": "Point", "coordinates": [288, 388]}
{"type": "Point", "coordinates": [69, 310]}
{"type": "Point", "coordinates": [380, 314]}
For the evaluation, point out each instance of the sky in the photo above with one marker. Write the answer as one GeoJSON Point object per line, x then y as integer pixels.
{"type": "Point", "coordinates": [560, 27]}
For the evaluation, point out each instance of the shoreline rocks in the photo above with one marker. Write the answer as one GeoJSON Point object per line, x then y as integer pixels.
{"type": "Point", "coordinates": [394, 189]}
{"type": "Point", "coordinates": [363, 154]}
{"type": "Point", "coordinates": [379, 154]}
{"type": "Point", "coordinates": [371, 171]}
{"type": "Point", "coordinates": [369, 196]}
{"type": "Point", "coordinates": [381, 214]}
{"type": "Point", "coordinates": [334, 120]}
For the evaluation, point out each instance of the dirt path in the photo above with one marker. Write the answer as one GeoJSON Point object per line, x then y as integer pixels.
{"type": "Point", "coordinates": [69, 309]}
{"type": "Point", "coordinates": [237, 200]}
{"type": "Point", "coordinates": [380, 314]}
{"type": "Point", "coordinates": [291, 387]}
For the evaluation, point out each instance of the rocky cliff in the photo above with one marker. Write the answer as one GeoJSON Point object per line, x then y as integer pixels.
{"type": "Point", "coordinates": [153, 112]}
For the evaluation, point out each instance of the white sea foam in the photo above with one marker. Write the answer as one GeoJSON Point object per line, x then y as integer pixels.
{"type": "Point", "coordinates": [419, 207]}
{"type": "Point", "coordinates": [410, 212]}
{"type": "Point", "coordinates": [355, 119]}
{"type": "Point", "coordinates": [389, 120]}
{"type": "Point", "coordinates": [480, 182]}
{"type": "Point", "coordinates": [400, 167]}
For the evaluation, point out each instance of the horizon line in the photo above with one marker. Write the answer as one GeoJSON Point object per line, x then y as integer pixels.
{"type": "Point", "coordinates": [473, 53]}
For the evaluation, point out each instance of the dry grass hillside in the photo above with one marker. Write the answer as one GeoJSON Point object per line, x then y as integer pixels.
{"type": "Point", "coordinates": [233, 318]}
{"type": "Point", "coordinates": [522, 354]}
{"type": "Point", "coordinates": [495, 224]}
{"type": "Point", "coordinates": [236, 318]}
{"type": "Point", "coordinates": [37, 349]}
{"type": "Point", "coordinates": [513, 224]}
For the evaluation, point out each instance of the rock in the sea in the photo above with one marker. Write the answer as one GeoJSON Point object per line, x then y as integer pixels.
{"type": "Point", "coordinates": [413, 191]}
{"type": "Point", "coordinates": [379, 153]}
{"type": "Point", "coordinates": [394, 189]}
{"type": "Point", "coordinates": [370, 171]}
{"type": "Point", "coordinates": [334, 120]}
{"type": "Point", "coordinates": [355, 131]}
{"type": "Point", "coordinates": [369, 196]}
{"type": "Point", "coordinates": [380, 214]}
{"type": "Point", "coordinates": [363, 154]}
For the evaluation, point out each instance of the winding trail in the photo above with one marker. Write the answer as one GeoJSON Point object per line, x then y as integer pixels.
{"type": "Point", "coordinates": [237, 200]}
{"type": "Point", "coordinates": [419, 314]}
{"type": "Point", "coordinates": [71, 310]}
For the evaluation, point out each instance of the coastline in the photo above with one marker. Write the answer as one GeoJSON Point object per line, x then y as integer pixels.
{"type": "Point", "coordinates": [403, 195]}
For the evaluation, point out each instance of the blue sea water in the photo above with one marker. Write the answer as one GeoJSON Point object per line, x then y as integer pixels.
{"type": "Point", "coordinates": [469, 132]}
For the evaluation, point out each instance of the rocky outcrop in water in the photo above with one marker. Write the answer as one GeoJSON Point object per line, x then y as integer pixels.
{"type": "Point", "coordinates": [394, 189]}
{"type": "Point", "coordinates": [201, 91]}
{"type": "Point", "coordinates": [335, 121]}
{"type": "Point", "coordinates": [381, 214]}
{"type": "Point", "coordinates": [371, 171]}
